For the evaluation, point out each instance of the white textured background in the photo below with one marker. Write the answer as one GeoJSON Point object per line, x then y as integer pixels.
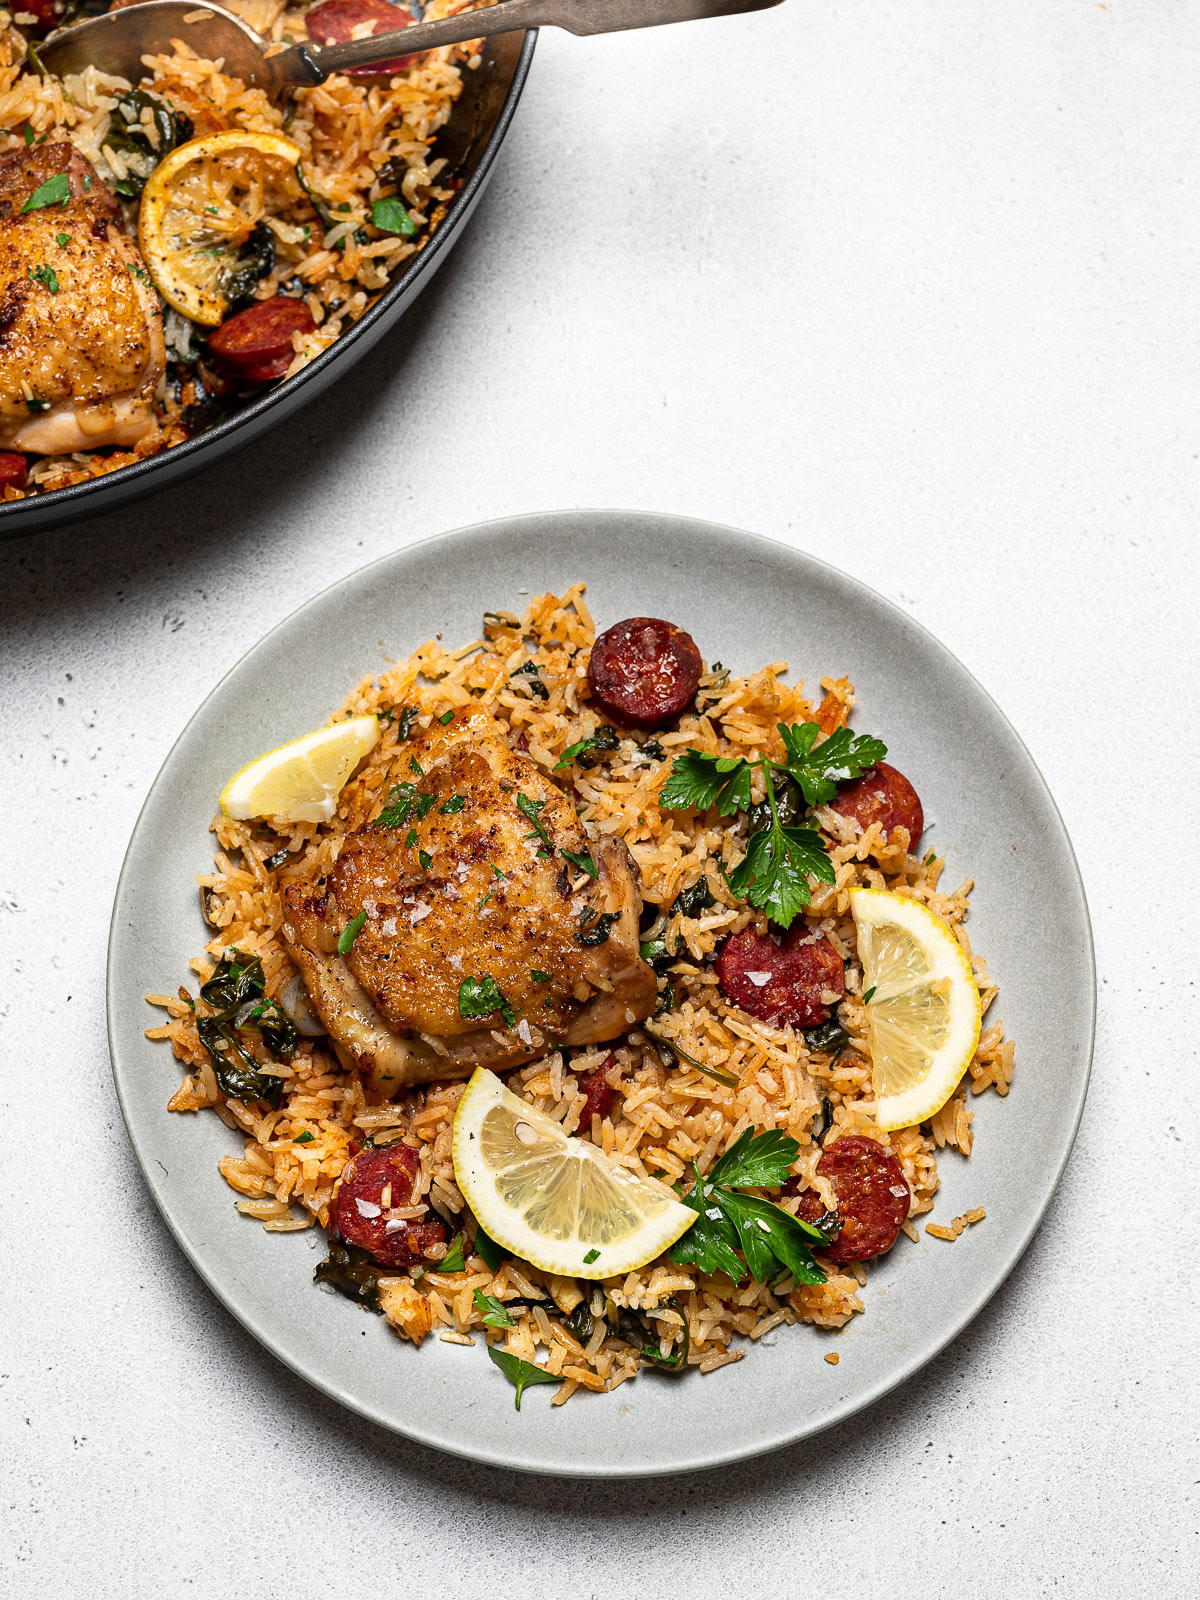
{"type": "Point", "coordinates": [913, 285]}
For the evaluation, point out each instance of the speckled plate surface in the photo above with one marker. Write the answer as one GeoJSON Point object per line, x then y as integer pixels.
{"type": "Point", "coordinates": [746, 600]}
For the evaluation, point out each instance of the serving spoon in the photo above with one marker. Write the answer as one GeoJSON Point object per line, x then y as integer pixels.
{"type": "Point", "coordinates": [117, 41]}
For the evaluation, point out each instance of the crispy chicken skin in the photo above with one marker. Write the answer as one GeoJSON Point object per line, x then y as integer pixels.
{"type": "Point", "coordinates": [93, 348]}
{"type": "Point", "coordinates": [492, 902]}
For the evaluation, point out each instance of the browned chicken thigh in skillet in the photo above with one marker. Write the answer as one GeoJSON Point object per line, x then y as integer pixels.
{"type": "Point", "coordinates": [81, 340]}
{"type": "Point", "coordinates": [476, 874]}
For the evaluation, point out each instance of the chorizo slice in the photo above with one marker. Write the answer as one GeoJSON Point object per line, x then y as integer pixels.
{"type": "Point", "coordinates": [598, 1093]}
{"type": "Point", "coordinates": [256, 344]}
{"type": "Point", "coordinates": [873, 1198]}
{"type": "Point", "coordinates": [14, 469]}
{"type": "Point", "coordinates": [885, 796]}
{"type": "Point", "coordinates": [781, 982]}
{"type": "Point", "coordinates": [644, 671]}
{"type": "Point", "coordinates": [375, 1181]}
{"type": "Point", "coordinates": [334, 21]}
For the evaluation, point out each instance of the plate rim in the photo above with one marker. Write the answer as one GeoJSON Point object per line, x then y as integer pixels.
{"type": "Point", "coordinates": [500, 1457]}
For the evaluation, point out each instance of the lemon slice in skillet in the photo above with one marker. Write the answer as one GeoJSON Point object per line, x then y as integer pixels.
{"type": "Point", "coordinates": [923, 1016]}
{"type": "Point", "coordinates": [301, 781]}
{"type": "Point", "coordinates": [552, 1200]}
{"type": "Point", "coordinates": [200, 206]}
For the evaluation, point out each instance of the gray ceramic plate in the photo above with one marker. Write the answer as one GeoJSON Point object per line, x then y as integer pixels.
{"type": "Point", "coordinates": [747, 601]}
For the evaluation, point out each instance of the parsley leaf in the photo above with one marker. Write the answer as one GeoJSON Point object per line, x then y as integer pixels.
{"type": "Point", "coordinates": [521, 1373]}
{"type": "Point", "coordinates": [453, 1260]}
{"type": "Point", "coordinates": [425, 859]}
{"type": "Point", "coordinates": [349, 933]}
{"type": "Point", "coordinates": [46, 276]}
{"type": "Point", "coordinates": [835, 760]}
{"type": "Point", "coordinates": [770, 1239]}
{"type": "Point", "coordinates": [756, 1161]}
{"type": "Point", "coordinates": [584, 863]}
{"type": "Point", "coordinates": [530, 808]}
{"type": "Point", "coordinates": [479, 997]}
{"type": "Point", "coordinates": [63, 239]}
{"type": "Point", "coordinates": [702, 781]}
{"type": "Point", "coordinates": [455, 803]}
{"type": "Point", "coordinates": [56, 191]}
{"type": "Point", "coordinates": [390, 216]}
{"type": "Point", "coordinates": [491, 1252]}
{"type": "Point", "coordinates": [538, 975]}
{"type": "Point", "coordinates": [402, 800]}
{"type": "Point", "coordinates": [495, 1316]}
{"type": "Point", "coordinates": [773, 874]}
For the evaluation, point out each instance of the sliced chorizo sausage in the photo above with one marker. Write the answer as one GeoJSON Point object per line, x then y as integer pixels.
{"type": "Point", "coordinates": [783, 981]}
{"type": "Point", "coordinates": [644, 671]}
{"type": "Point", "coordinates": [885, 796]}
{"type": "Point", "coordinates": [873, 1198]}
{"type": "Point", "coordinates": [375, 1181]}
{"type": "Point", "coordinates": [598, 1094]}
{"type": "Point", "coordinates": [256, 344]}
{"type": "Point", "coordinates": [334, 21]}
{"type": "Point", "coordinates": [14, 469]}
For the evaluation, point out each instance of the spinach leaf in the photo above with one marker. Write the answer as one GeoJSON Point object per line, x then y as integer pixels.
{"type": "Point", "coordinates": [351, 1272]}
{"type": "Point", "coordinates": [597, 932]}
{"type": "Point", "coordinates": [697, 897]}
{"type": "Point", "coordinates": [238, 1074]}
{"type": "Point", "coordinates": [521, 1373]}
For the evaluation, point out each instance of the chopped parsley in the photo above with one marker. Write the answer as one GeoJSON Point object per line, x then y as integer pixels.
{"type": "Point", "coordinates": [56, 191]}
{"type": "Point", "coordinates": [772, 1242]}
{"type": "Point", "coordinates": [453, 1260]}
{"type": "Point", "coordinates": [446, 718]}
{"type": "Point", "coordinates": [34, 404]}
{"type": "Point", "coordinates": [521, 1373]}
{"type": "Point", "coordinates": [538, 975]}
{"type": "Point", "coordinates": [303, 1138]}
{"type": "Point", "coordinates": [63, 240]}
{"type": "Point", "coordinates": [780, 859]}
{"type": "Point", "coordinates": [27, 133]}
{"type": "Point", "coordinates": [530, 808]}
{"type": "Point", "coordinates": [390, 216]}
{"type": "Point", "coordinates": [46, 276]}
{"type": "Point", "coordinates": [592, 1255]}
{"type": "Point", "coordinates": [480, 997]}
{"type": "Point", "coordinates": [425, 859]}
{"type": "Point", "coordinates": [868, 995]}
{"type": "Point", "coordinates": [584, 863]}
{"type": "Point", "coordinates": [410, 838]}
{"type": "Point", "coordinates": [402, 801]}
{"type": "Point", "coordinates": [486, 1246]}
{"type": "Point", "coordinates": [349, 933]}
{"type": "Point", "coordinates": [415, 766]}
{"type": "Point", "coordinates": [455, 803]}
{"type": "Point", "coordinates": [494, 1314]}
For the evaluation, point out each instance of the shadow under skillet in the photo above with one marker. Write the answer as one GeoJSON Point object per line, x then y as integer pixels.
{"type": "Point", "coordinates": [85, 566]}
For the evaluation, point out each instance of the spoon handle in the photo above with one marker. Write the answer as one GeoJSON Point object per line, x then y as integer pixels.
{"type": "Point", "coordinates": [311, 63]}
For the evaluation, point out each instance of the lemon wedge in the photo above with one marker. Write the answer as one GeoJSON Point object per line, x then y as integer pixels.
{"type": "Point", "coordinates": [552, 1200]}
{"type": "Point", "coordinates": [923, 1015]}
{"type": "Point", "coordinates": [301, 781]}
{"type": "Point", "coordinates": [201, 205]}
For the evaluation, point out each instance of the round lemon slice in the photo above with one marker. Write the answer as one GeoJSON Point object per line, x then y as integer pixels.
{"type": "Point", "coordinates": [202, 203]}
{"type": "Point", "coordinates": [552, 1200]}
{"type": "Point", "coordinates": [301, 781]}
{"type": "Point", "coordinates": [923, 1015]}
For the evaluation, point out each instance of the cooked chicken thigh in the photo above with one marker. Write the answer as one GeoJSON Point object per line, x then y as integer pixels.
{"type": "Point", "coordinates": [81, 342]}
{"type": "Point", "coordinates": [459, 889]}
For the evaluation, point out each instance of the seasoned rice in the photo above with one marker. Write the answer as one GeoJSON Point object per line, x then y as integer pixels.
{"type": "Point", "coordinates": [348, 130]}
{"type": "Point", "coordinates": [667, 1118]}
